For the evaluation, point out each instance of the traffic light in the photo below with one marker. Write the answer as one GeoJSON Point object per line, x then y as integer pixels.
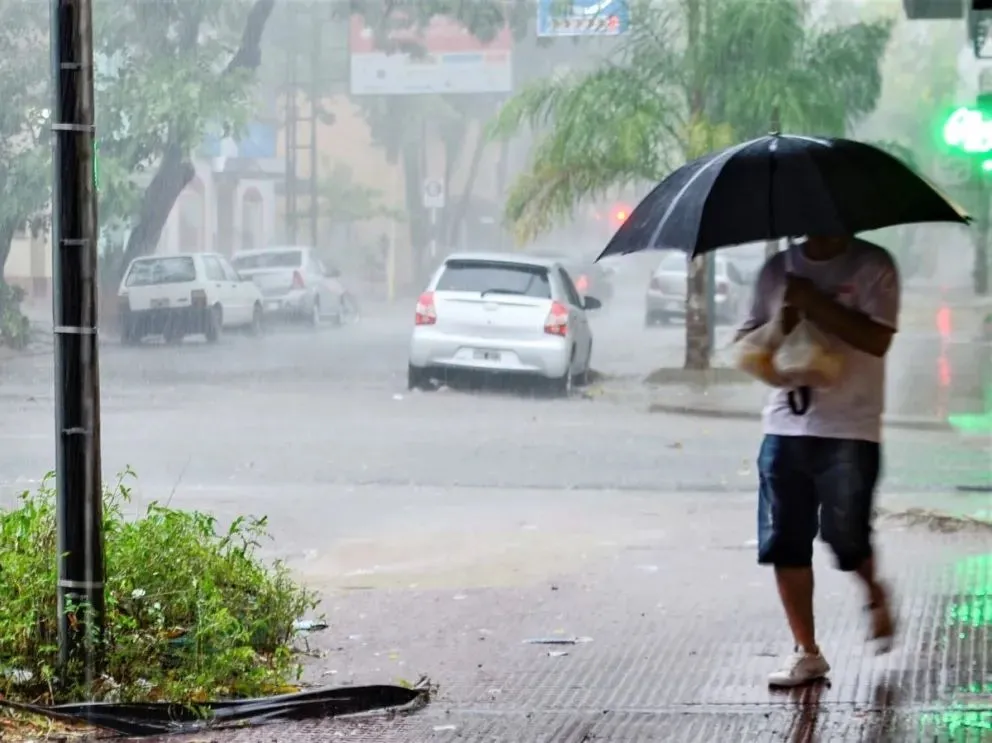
{"type": "Point", "coordinates": [979, 25]}
{"type": "Point", "coordinates": [968, 130]}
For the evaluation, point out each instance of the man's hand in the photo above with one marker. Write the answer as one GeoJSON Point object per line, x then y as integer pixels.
{"type": "Point", "coordinates": [799, 292]}
{"type": "Point", "coordinates": [789, 318]}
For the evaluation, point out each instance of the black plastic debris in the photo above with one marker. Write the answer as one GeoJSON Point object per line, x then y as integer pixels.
{"type": "Point", "coordinates": [164, 718]}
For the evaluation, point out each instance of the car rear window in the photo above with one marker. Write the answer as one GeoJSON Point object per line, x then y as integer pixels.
{"type": "Point", "coordinates": [154, 271]}
{"type": "Point", "coordinates": [275, 259]}
{"type": "Point", "coordinates": [495, 277]}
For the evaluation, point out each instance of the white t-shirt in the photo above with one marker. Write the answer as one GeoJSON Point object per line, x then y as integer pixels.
{"type": "Point", "coordinates": [864, 278]}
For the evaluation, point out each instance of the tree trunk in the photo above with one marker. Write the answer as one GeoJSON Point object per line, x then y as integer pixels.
{"type": "Point", "coordinates": [7, 230]}
{"type": "Point", "coordinates": [413, 186]}
{"type": "Point", "coordinates": [175, 169]}
{"type": "Point", "coordinates": [174, 173]}
{"type": "Point", "coordinates": [980, 271]}
{"type": "Point", "coordinates": [465, 200]}
{"type": "Point", "coordinates": [697, 320]}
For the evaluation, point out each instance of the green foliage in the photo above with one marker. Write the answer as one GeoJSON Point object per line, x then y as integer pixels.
{"type": "Point", "coordinates": [344, 201]}
{"type": "Point", "coordinates": [25, 154]}
{"type": "Point", "coordinates": [192, 612]}
{"type": "Point", "coordinates": [659, 99]}
{"type": "Point", "coordinates": [15, 329]}
{"type": "Point", "coordinates": [921, 85]}
{"type": "Point", "coordinates": [161, 81]}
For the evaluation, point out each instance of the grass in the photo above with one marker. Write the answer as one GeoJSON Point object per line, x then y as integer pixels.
{"type": "Point", "coordinates": [192, 612]}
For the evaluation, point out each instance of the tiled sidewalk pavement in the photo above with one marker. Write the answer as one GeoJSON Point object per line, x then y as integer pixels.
{"type": "Point", "coordinates": [683, 629]}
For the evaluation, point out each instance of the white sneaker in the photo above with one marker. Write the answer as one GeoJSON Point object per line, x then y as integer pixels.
{"type": "Point", "coordinates": [800, 668]}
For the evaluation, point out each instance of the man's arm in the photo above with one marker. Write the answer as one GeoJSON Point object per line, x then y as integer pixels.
{"type": "Point", "coordinates": [760, 310]}
{"type": "Point", "coordinates": [869, 329]}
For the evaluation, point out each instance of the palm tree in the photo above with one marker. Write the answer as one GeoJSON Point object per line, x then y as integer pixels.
{"type": "Point", "coordinates": [691, 76]}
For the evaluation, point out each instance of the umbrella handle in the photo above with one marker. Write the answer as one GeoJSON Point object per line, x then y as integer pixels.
{"type": "Point", "coordinates": [805, 397]}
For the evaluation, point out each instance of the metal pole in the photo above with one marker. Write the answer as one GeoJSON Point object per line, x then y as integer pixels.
{"type": "Point", "coordinates": [77, 379]}
{"type": "Point", "coordinates": [433, 244]}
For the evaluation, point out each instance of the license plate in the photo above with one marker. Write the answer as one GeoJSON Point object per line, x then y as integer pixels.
{"type": "Point", "coordinates": [487, 355]}
{"type": "Point", "coordinates": [158, 304]}
{"type": "Point", "coordinates": [271, 305]}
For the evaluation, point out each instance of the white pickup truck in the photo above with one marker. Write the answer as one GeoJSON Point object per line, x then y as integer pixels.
{"type": "Point", "coordinates": [186, 294]}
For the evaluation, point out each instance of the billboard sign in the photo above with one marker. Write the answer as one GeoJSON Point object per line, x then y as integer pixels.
{"type": "Point", "coordinates": [256, 142]}
{"type": "Point", "coordinates": [453, 61]}
{"type": "Point", "coordinates": [582, 17]}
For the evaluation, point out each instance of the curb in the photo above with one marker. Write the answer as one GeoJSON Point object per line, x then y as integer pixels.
{"type": "Point", "coordinates": [740, 414]}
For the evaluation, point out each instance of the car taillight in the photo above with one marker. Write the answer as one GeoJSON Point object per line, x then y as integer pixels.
{"type": "Point", "coordinates": [123, 300]}
{"type": "Point", "coordinates": [426, 314]}
{"type": "Point", "coordinates": [656, 284]}
{"type": "Point", "coordinates": [944, 324]}
{"type": "Point", "coordinates": [557, 322]}
{"type": "Point", "coordinates": [198, 298]}
{"type": "Point", "coordinates": [582, 284]}
{"type": "Point", "coordinates": [298, 280]}
{"type": "Point", "coordinates": [722, 288]}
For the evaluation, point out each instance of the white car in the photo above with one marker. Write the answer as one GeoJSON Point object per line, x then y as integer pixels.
{"type": "Point", "coordinates": [501, 313]}
{"type": "Point", "coordinates": [666, 293]}
{"type": "Point", "coordinates": [186, 294]}
{"type": "Point", "coordinates": [297, 285]}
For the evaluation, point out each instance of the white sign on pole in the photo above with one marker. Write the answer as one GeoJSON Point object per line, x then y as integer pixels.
{"type": "Point", "coordinates": [433, 193]}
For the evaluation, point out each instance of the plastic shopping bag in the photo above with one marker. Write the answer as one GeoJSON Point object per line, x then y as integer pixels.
{"type": "Point", "coordinates": [806, 358]}
{"type": "Point", "coordinates": [754, 353]}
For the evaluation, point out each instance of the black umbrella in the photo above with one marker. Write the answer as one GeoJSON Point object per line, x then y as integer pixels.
{"type": "Point", "coordinates": [780, 186]}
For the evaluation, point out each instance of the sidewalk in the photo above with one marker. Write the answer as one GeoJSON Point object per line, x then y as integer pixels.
{"type": "Point", "coordinates": [665, 634]}
{"type": "Point", "coordinates": [744, 401]}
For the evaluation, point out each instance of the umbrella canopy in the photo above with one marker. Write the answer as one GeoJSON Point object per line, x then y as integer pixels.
{"type": "Point", "coordinates": [781, 186]}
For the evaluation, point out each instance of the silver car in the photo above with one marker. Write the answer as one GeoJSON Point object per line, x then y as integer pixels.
{"type": "Point", "coordinates": [665, 297]}
{"type": "Point", "coordinates": [501, 313]}
{"type": "Point", "coordinates": [296, 285]}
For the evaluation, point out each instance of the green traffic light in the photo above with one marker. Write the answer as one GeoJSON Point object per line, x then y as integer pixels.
{"type": "Point", "coordinates": [968, 130]}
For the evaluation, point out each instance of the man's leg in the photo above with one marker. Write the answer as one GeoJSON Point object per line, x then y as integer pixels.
{"type": "Point", "coordinates": [787, 525]}
{"type": "Point", "coordinates": [847, 473]}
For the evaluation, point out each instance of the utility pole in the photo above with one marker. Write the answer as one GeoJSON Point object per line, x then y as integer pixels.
{"type": "Point", "coordinates": [79, 504]}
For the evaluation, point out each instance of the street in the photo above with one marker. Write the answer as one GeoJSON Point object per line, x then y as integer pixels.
{"type": "Point", "coordinates": [328, 411]}
{"type": "Point", "coordinates": [389, 502]}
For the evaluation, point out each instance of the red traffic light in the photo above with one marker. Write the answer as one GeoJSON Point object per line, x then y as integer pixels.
{"type": "Point", "coordinates": [620, 214]}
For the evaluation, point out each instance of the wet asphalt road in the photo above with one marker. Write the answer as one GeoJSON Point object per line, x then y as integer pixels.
{"type": "Point", "coordinates": [314, 417]}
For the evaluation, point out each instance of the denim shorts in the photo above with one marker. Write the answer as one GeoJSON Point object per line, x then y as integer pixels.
{"type": "Point", "coordinates": [808, 485]}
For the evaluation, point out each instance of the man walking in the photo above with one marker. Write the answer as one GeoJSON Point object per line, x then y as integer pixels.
{"type": "Point", "coordinates": [820, 458]}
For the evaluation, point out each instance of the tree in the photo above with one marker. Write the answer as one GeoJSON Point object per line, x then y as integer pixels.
{"type": "Point", "coordinates": [690, 76]}
{"type": "Point", "coordinates": [460, 119]}
{"type": "Point", "coordinates": [170, 70]}
{"type": "Point", "coordinates": [345, 201]}
{"type": "Point", "coordinates": [25, 155]}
